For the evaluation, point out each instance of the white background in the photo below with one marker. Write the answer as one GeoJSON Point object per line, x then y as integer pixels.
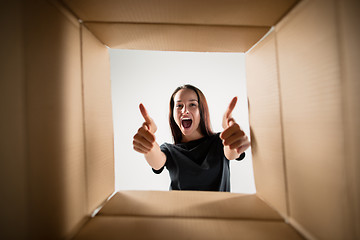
{"type": "Point", "coordinates": [150, 77]}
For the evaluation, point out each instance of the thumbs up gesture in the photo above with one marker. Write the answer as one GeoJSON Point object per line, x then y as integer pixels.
{"type": "Point", "coordinates": [144, 139]}
{"type": "Point", "coordinates": [234, 139]}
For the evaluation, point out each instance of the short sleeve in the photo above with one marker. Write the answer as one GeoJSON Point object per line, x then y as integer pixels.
{"type": "Point", "coordinates": [241, 157]}
{"type": "Point", "coordinates": [158, 171]}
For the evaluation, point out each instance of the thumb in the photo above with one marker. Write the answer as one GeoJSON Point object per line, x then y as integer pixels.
{"type": "Point", "coordinates": [144, 113]}
{"type": "Point", "coordinates": [227, 119]}
{"type": "Point", "coordinates": [230, 107]}
{"type": "Point", "coordinates": [149, 123]}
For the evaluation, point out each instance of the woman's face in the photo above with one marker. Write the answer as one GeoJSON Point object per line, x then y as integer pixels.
{"type": "Point", "coordinates": [187, 114]}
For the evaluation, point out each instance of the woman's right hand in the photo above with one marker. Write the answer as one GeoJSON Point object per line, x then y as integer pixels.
{"type": "Point", "coordinates": [144, 139]}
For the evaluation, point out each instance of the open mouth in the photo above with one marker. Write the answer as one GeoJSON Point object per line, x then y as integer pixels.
{"type": "Point", "coordinates": [186, 123]}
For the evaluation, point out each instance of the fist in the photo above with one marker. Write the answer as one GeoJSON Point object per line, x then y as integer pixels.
{"type": "Point", "coordinates": [235, 138]}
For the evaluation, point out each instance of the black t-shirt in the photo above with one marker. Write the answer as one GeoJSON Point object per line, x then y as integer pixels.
{"type": "Point", "coordinates": [198, 165]}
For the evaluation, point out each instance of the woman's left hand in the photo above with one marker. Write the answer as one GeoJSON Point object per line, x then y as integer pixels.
{"type": "Point", "coordinates": [234, 138]}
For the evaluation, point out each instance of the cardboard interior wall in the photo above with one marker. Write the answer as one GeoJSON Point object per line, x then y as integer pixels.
{"type": "Point", "coordinates": [266, 136]}
{"type": "Point", "coordinates": [99, 138]}
{"type": "Point", "coordinates": [349, 59]}
{"type": "Point", "coordinates": [55, 169]}
{"type": "Point", "coordinates": [311, 92]}
{"type": "Point", "coordinates": [57, 158]}
{"type": "Point", "coordinates": [13, 164]}
{"type": "Point", "coordinates": [310, 74]}
{"type": "Point", "coordinates": [54, 121]}
{"type": "Point", "coordinates": [224, 26]}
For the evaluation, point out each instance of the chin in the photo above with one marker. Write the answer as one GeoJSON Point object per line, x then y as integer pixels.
{"type": "Point", "coordinates": [186, 132]}
{"type": "Point", "coordinates": [189, 131]}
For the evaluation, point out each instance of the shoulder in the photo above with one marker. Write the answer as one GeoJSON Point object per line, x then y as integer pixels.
{"type": "Point", "coordinates": [166, 146]}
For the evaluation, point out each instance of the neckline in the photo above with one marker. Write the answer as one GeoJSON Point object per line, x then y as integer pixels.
{"type": "Point", "coordinates": [193, 141]}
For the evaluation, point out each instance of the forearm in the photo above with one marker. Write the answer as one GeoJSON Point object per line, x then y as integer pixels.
{"type": "Point", "coordinates": [231, 154]}
{"type": "Point", "coordinates": [155, 158]}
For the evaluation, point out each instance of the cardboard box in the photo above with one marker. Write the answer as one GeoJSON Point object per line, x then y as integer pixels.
{"type": "Point", "coordinates": [57, 162]}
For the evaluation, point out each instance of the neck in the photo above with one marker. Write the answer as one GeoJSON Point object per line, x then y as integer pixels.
{"type": "Point", "coordinates": [195, 136]}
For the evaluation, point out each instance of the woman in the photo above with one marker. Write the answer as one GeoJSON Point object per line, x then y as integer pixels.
{"type": "Point", "coordinates": [198, 159]}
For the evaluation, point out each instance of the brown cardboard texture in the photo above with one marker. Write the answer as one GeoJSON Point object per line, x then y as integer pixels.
{"type": "Point", "coordinates": [57, 153]}
{"type": "Point", "coordinates": [313, 120]}
{"type": "Point", "coordinates": [187, 204]}
{"type": "Point", "coordinates": [99, 139]}
{"type": "Point", "coordinates": [186, 214]}
{"type": "Point", "coordinates": [54, 121]}
{"type": "Point", "coordinates": [266, 136]}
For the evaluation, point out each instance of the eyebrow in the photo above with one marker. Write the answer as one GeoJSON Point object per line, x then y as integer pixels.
{"type": "Point", "coordinates": [191, 100]}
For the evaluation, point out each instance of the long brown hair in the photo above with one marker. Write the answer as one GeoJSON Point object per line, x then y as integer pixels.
{"type": "Point", "coordinates": [205, 126]}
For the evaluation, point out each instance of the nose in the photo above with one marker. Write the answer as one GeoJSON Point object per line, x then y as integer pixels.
{"type": "Point", "coordinates": [184, 110]}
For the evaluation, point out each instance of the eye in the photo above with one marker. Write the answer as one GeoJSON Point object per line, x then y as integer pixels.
{"type": "Point", "coordinates": [193, 104]}
{"type": "Point", "coordinates": [179, 106]}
